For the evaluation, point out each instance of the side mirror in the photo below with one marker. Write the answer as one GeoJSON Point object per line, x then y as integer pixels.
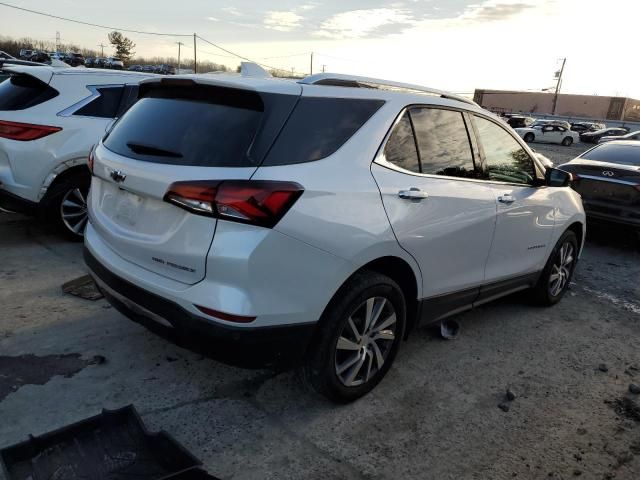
{"type": "Point", "coordinates": [554, 177]}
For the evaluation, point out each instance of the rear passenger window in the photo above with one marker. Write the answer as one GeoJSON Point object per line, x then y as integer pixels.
{"type": "Point", "coordinates": [400, 149]}
{"type": "Point", "coordinates": [505, 159]}
{"type": "Point", "coordinates": [318, 127]}
{"type": "Point", "coordinates": [443, 142]}
{"type": "Point", "coordinates": [20, 92]}
{"type": "Point", "coordinates": [105, 105]}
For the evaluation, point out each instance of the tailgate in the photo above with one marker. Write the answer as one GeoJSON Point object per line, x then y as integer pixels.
{"type": "Point", "coordinates": [179, 132]}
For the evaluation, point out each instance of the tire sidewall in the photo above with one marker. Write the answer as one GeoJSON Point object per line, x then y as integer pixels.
{"type": "Point", "coordinates": [529, 137]}
{"type": "Point", "coordinates": [55, 197]}
{"type": "Point", "coordinates": [323, 374]}
{"type": "Point", "coordinates": [543, 285]}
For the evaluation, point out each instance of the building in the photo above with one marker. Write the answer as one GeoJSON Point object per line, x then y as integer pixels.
{"type": "Point", "coordinates": [583, 106]}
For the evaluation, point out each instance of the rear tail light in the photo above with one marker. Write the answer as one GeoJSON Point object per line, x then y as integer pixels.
{"type": "Point", "coordinates": [258, 202]}
{"type": "Point", "coordinates": [25, 132]}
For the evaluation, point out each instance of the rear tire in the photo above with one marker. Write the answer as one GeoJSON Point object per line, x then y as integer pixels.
{"type": "Point", "coordinates": [67, 205]}
{"type": "Point", "coordinates": [567, 141]}
{"type": "Point", "coordinates": [529, 137]}
{"type": "Point", "coordinates": [556, 276]}
{"type": "Point", "coordinates": [358, 337]}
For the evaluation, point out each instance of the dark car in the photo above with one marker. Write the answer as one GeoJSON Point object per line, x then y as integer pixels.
{"type": "Point", "coordinates": [40, 57]}
{"type": "Point", "coordinates": [89, 62]}
{"type": "Point", "coordinates": [608, 178]}
{"type": "Point", "coordinates": [75, 59]}
{"type": "Point", "coordinates": [593, 137]}
{"type": "Point", "coordinates": [581, 127]}
{"type": "Point", "coordinates": [519, 121]}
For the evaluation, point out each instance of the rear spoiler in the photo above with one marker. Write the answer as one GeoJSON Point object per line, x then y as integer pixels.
{"type": "Point", "coordinates": [14, 61]}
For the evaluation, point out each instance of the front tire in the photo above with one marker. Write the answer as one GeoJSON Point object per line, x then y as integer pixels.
{"type": "Point", "coordinates": [556, 276]}
{"type": "Point", "coordinates": [358, 338]}
{"type": "Point", "coordinates": [529, 137]}
{"type": "Point", "coordinates": [67, 205]}
{"type": "Point", "coordinates": [567, 141]}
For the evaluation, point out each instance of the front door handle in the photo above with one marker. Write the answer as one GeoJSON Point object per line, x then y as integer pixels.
{"type": "Point", "coordinates": [506, 198]}
{"type": "Point", "coordinates": [413, 194]}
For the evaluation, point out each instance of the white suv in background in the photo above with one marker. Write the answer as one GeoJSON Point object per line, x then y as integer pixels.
{"type": "Point", "coordinates": [49, 120]}
{"type": "Point", "coordinates": [271, 220]}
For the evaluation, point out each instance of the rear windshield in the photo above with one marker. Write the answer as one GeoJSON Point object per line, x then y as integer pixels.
{"type": "Point", "coordinates": [612, 153]}
{"type": "Point", "coordinates": [209, 127]}
{"type": "Point", "coordinates": [20, 92]}
{"type": "Point", "coordinates": [318, 127]}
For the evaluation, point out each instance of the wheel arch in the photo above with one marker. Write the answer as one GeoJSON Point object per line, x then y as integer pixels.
{"type": "Point", "coordinates": [578, 229]}
{"type": "Point", "coordinates": [62, 171]}
{"type": "Point", "coordinates": [401, 272]}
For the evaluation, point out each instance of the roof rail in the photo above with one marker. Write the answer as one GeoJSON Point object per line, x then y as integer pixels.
{"type": "Point", "coordinates": [354, 81]}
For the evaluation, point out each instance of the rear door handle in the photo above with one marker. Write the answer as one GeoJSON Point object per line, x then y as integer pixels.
{"type": "Point", "coordinates": [506, 198]}
{"type": "Point", "coordinates": [413, 194]}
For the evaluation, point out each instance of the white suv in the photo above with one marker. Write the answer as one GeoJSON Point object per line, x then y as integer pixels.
{"type": "Point", "coordinates": [49, 120]}
{"type": "Point", "coordinates": [321, 220]}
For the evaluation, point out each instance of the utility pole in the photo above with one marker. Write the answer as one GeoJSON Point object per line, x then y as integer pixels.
{"type": "Point", "coordinates": [57, 41]}
{"type": "Point", "coordinates": [195, 57]}
{"type": "Point", "coordinates": [311, 63]}
{"type": "Point", "coordinates": [179, 45]}
{"type": "Point", "coordinates": [102, 46]}
{"type": "Point", "coordinates": [323, 68]}
{"type": "Point", "coordinates": [558, 84]}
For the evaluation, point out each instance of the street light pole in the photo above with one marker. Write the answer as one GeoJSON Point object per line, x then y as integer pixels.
{"type": "Point", "coordinates": [555, 97]}
{"type": "Point", "coordinates": [195, 58]}
{"type": "Point", "coordinates": [179, 45]}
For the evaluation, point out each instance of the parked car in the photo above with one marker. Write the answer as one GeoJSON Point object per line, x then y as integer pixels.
{"type": "Point", "coordinates": [75, 59]}
{"type": "Point", "coordinates": [135, 68]}
{"type": "Point", "coordinates": [559, 123]}
{"type": "Point", "coordinates": [594, 137]}
{"type": "Point", "coordinates": [40, 57]}
{"type": "Point", "coordinates": [256, 222]}
{"type": "Point", "coordinates": [520, 122]}
{"type": "Point", "coordinates": [49, 119]}
{"type": "Point", "coordinates": [628, 136]}
{"type": "Point", "coordinates": [114, 63]}
{"type": "Point", "coordinates": [608, 179]}
{"type": "Point", "coordinates": [166, 69]}
{"type": "Point", "coordinates": [89, 62]}
{"type": "Point", "coordinates": [587, 126]}
{"type": "Point", "coordinates": [548, 134]}
{"type": "Point", "coordinates": [25, 54]}
{"type": "Point", "coordinates": [5, 55]}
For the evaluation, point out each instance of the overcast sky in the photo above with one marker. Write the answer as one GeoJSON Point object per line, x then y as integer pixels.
{"type": "Point", "coordinates": [458, 45]}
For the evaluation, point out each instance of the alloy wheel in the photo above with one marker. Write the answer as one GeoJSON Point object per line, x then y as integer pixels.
{"type": "Point", "coordinates": [561, 269]}
{"type": "Point", "coordinates": [365, 341]}
{"type": "Point", "coordinates": [73, 210]}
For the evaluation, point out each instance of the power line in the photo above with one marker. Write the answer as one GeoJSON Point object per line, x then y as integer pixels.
{"type": "Point", "coordinates": [92, 24]}
{"type": "Point", "coordinates": [286, 56]}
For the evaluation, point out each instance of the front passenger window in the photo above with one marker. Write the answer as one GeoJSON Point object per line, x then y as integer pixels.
{"type": "Point", "coordinates": [505, 159]}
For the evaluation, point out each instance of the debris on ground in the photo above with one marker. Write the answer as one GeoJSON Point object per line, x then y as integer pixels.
{"type": "Point", "coordinates": [83, 287]}
{"type": "Point", "coordinates": [626, 407]}
{"type": "Point", "coordinates": [112, 445]}
{"type": "Point", "coordinates": [504, 406]}
{"type": "Point", "coordinates": [603, 367]}
{"type": "Point", "coordinates": [635, 389]}
{"type": "Point", "coordinates": [510, 395]}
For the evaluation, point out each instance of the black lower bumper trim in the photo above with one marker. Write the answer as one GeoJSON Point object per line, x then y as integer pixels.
{"type": "Point", "coordinates": [249, 347]}
{"type": "Point", "coordinates": [14, 203]}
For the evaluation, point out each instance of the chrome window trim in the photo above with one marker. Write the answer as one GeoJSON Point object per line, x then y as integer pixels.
{"type": "Point", "coordinates": [69, 111]}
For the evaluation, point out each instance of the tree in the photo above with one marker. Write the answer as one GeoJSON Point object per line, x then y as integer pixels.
{"type": "Point", "coordinates": [124, 46]}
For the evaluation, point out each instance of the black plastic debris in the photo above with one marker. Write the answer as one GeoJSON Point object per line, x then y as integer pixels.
{"type": "Point", "coordinates": [114, 445]}
{"type": "Point", "coordinates": [83, 287]}
{"type": "Point", "coordinates": [449, 329]}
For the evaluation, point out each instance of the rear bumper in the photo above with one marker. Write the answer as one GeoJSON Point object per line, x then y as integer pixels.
{"type": "Point", "coordinates": [14, 203]}
{"type": "Point", "coordinates": [242, 346]}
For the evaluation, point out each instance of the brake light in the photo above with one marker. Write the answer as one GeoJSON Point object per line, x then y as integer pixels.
{"type": "Point", "coordinates": [258, 202]}
{"type": "Point", "coordinates": [25, 132]}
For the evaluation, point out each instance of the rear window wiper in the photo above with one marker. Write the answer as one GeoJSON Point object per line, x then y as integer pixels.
{"type": "Point", "coordinates": [142, 149]}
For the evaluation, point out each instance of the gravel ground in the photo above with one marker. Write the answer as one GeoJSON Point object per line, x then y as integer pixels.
{"type": "Point", "coordinates": [435, 416]}
{"type": "Point", "coordinates": [559, 154]}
